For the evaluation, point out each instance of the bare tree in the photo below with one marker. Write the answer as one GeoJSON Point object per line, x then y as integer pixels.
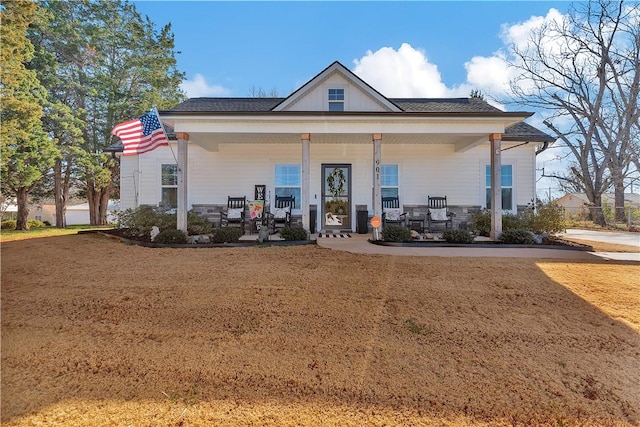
{"type": "Point", "coordinates": [583, 71]}
{"type": "Point", "coordinates": [258, 92]}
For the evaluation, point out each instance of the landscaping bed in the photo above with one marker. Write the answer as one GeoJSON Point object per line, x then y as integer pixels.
{"type": "Point", "coordinates": [146, 242]}
{"type": "Point", "coordinates": [554, 243]}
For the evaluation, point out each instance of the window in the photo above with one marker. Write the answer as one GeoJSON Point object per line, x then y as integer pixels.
{"type": "Point", "coordinates": [288, 182]}
{"type": "Point", "coordinates": [506, 174]}
{"type": "Point", "coordinates": [336, 99]}
{"type": "Point", "coordinates": [169, 185]}
{"type": "Point", "coordinates": [389, 180]}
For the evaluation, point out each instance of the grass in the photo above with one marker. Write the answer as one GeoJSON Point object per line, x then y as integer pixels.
{"type": "Point", "coordinates": [36, 233]}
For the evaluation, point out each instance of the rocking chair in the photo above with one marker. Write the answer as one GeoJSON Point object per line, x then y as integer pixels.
{"type": "Point", "coordinates": [235, 213]}
{"type": "Point", "coordinates": [281, 214]}
{"type": "Point", "coordinates": [391, 212]}
{"type": "Point", "coordinates": [438, 213]}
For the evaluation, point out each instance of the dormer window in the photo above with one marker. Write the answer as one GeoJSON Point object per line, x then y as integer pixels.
{"type": "Point", "coordinates": [336, 99]}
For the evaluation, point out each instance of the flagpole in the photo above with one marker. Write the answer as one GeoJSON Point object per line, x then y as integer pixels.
{"type": "Point", "coordinates": [181, 162]}
{"type": "Point", "coordinates": [155, 111]}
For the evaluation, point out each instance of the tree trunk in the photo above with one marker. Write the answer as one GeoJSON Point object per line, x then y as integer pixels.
{"type": "Point", "coordinates": [61, 193]}
{"type": "Point", "coordinates": [104, 205]}
{"type": "Point", "coordinates": [619, 202]}
{"type": "Point", "coordinates": [93, 203]}
{"type": "Point", "coordinates": [22, 195]}
{"type": "Point", "coordinates": [98, 204]}
{"type": "Point", "coordinates": [597, 214]}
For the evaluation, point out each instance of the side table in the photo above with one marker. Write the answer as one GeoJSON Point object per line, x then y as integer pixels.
{"type": "Point", "coordinates": [416, 223]}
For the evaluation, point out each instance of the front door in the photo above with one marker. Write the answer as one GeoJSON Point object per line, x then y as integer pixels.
{"type": "Point", "coordinates": [336, 197]}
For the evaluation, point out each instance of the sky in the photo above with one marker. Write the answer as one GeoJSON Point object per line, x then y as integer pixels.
{"type": "Point", "coordinates": [401, 48]}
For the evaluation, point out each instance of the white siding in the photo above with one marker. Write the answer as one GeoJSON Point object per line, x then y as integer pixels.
{"type": "Point", "coordinates": [355, 98]}
{"type": "Point", "coordinates": [128, 173]}
{"type": "Point", "coordinates": [424, 170]}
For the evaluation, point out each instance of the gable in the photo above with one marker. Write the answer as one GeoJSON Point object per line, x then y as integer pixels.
{"type": "Point", "coordinates": [315, 94]}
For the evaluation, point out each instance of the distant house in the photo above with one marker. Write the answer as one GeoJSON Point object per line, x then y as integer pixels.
{"type": "Point", "coordinates": [576, 204]}
{"type": "Point", "coordinates": [76, 214]}
{"type": "Point", "coordinates": [79, 213]}
{"type": "Point", "coordinates": [409, 148]}
{"type": "Point", "coordinates": [9, 210]}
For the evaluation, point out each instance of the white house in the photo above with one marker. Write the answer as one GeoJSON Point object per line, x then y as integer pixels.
{"type": "Point", "coordinates": [76, 214]}
{"type": "Point", "coordinates": [462, 148]}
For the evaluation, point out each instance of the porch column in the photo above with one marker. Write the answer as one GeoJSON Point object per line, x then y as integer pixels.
{"type": "Point", "coordinates": [183, 139]}
{"type": "Point", "coordinates": [496, 186]}
{"type": "Point", "coordinates": [377, 189]}
{"type": "Point", "coordinates": [305, 184]}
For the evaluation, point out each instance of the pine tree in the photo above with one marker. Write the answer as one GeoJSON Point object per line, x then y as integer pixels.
{"type": "Point", "coordinates": [27, 151]}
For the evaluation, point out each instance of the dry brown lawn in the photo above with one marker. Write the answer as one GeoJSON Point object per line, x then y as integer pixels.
{"type": "Point", "coordinates": [95, 332]}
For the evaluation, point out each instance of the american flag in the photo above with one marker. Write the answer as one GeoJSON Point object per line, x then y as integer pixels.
{"type": "Point", "coordinates": [141, 135]}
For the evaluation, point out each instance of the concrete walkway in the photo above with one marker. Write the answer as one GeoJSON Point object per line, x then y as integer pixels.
{"type": "Point", "coordinates": [358, 244]}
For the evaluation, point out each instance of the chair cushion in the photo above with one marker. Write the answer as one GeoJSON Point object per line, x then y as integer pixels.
{"type": "Point", "coordinates": [392, 214]}
{"type": "Point", "coordinates": [439, 214]}
{"type": "Point", "coordinates": [234, 213]}
{"type": "Point", "coordinates": [281, 213]}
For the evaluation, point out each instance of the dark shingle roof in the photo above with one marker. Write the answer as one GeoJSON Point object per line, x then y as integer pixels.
{"type": "Point", "coordinates": [525, 132]}
{"type": "Point", "coordinates": [215, 105]}
{"type": "Point", "coordinates": [409, 105]}
{"type": "Point", "coordinates": [444, 105]}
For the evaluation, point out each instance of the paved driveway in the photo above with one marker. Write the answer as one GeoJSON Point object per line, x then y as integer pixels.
{"type": "Point", "coordinates": [617, 237]}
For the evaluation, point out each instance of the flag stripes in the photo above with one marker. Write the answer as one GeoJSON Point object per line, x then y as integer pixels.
{"type": "Point", "coordinates": [141, 135]}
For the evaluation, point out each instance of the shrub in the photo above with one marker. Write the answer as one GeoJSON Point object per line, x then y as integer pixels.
{"type": "Point", "coordinates": [481, 222]}
{"type": "Point", "coordinates": [512, 222]}
{"type": "Point", "coordinates": [197, 224]}
{"type": "Point", "coordinates": [171, 236]}
{"type": "Point", "coordinates": [140, 221]}
{"type": "Point", "coordinates": [226, 235]}
{"type": "Point", "coordinates": [549, 218]}
{"type": "Point", "coordinates": [396, 233]}
{"type": "Point", "coordinates": [516, 236]}
{"type": "Point", "coordinates": [457, 236]}
{"type": "Point", "coordinates": [35, 223]}
{"type": "Point", "coordinates": [9, 224]}
{"type": "Point", "coordinates": [293, 233]}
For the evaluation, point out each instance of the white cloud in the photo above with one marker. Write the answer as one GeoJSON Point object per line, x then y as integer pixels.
{"type": "Point", "coordinates": [520, 34]}
{"type": "Point", "coordinates": [489, 74]}
{"type": "Point", "coordinates": [198, 87]}
{"type": "Point", "coordinates": [405, 72]}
